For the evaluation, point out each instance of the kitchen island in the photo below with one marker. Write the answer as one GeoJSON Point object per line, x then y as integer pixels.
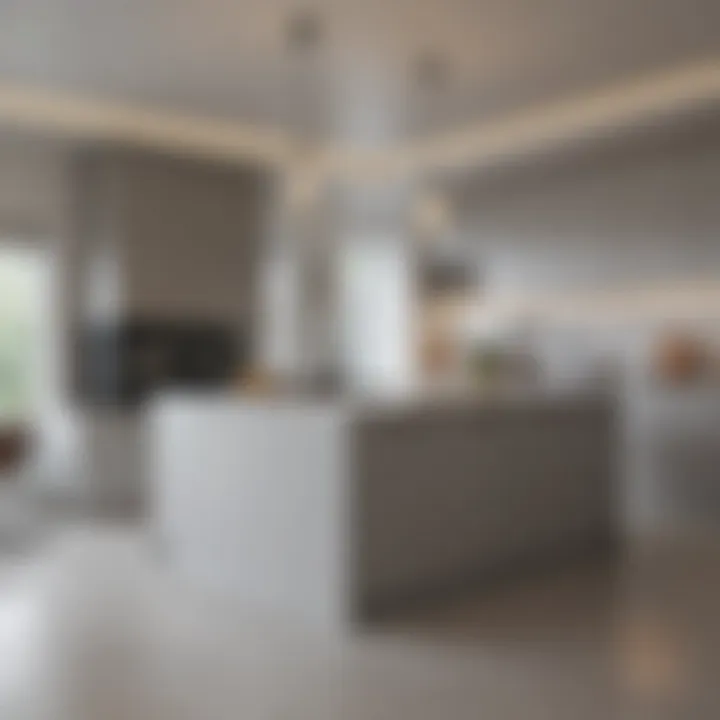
{"type": "Point", "coordinates": [332, 512]}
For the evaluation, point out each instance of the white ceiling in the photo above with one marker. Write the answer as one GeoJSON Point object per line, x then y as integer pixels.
{"type": "Point", "coordinates": [227, 58]}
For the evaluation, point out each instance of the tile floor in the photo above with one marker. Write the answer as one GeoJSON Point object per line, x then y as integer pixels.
{"type": "Point", "coordinates": [93, 628]}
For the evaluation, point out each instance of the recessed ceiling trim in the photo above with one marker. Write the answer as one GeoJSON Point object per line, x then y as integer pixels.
{"type": "Point", "coordinates": [621, 107]}
{"type": "Point", "coordinates": [545, 128]}
{"type": "Point", "coordinates": [542, 129]}
{"type": "Point", "coordinates": [85, 119]}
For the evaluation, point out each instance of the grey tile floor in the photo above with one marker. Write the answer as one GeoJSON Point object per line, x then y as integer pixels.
{"type": "Point", "coordinates": [93, 628]}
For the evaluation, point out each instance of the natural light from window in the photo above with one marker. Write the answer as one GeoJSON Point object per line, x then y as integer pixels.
{"type": "Point", "coordinates": [22, 290]}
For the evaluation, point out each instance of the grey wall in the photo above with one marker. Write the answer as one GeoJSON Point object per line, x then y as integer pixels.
{"type": "Point", "coordinates": [185, 234]}
{"type": "Point", "coordinates": [193, 236]}
{"type": "Point", "coordinates": [611, 216]}
{"type": "Point", "coordinates": [33, 188]}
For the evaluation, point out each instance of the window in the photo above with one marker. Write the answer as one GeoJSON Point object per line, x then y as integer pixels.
{"type": "Point", "coordinates": [22, 288]}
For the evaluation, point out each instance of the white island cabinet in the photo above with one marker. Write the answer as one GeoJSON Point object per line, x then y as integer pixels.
{"type": "Point", "coordinates": [333, 512]}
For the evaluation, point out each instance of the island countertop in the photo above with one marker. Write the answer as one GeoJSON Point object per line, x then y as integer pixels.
{"type": "Point", "coordinates": [333, 509]}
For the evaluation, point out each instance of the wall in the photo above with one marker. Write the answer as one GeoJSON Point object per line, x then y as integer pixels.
{"type": "Point", "coordinates": [376, 287]}
{"type": "Point", "coordinates": [607, 218]}
{"type": "Point", "coordinates": [142, 233]}
{"type": "Point", "coordinates": [35, 210]}
{"type": "Point", "coordinates": [338, 287]}
{"type": "Point", "coordinates": [33, 188]}
{"type": "Point", "coordinates": [184, 233]}
{"type": "Point", "coordinates": [162, 238]}
{"type": "Point", "coordinates": [192, 239]}
{"type": "Point", "coordinates": [377, 315]}
{"type": "Point", "coordinates": [604, 249]}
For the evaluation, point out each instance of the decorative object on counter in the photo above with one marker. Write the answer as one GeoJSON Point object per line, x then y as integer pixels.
{"type": "Point", "coordinates": [440, 347]}
{"type": "Point", "coordinates": [488, 365]}
{"type": "Point", "coordinates": [494, 366]}
{"type": "Point", "coordinates": [448, 284]}
{"type": "Point", "coordinates": [258, 382]}
{"type": "Point", "coordinates": [682, 358]}
{"type": "Point", "coordinates": [438, 354]}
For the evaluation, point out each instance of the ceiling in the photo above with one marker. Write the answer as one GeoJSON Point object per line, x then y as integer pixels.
{"type": "Point", "coordinates": [228, 59]}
